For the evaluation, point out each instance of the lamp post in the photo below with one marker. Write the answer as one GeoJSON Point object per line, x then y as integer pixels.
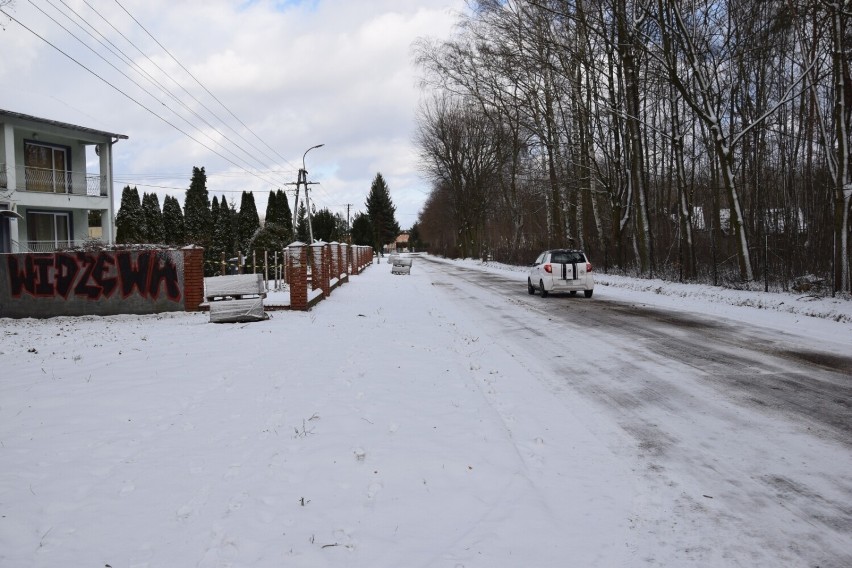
{"type": "Point", "coordinates": [303, 177]}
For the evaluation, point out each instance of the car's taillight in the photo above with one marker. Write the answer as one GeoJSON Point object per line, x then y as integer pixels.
{"type": "Point", "coordinates": [588, 267]}
{"type": "Point", "coordinates": [548, 268]}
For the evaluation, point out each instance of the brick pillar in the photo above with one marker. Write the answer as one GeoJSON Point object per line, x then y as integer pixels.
{"type": "Point", "coordinates": [353, 260]}
{"type": "Point", "coordinates": [326, 262]}
{"type": "Point", "coordinates": [193, 278]}
{"type": "Point", "coordinates": [315, 254]}
{"type": "Point", "coordinates": [319, 267]}
{"type": "Point", "coordinates": [334, 260]}
{"type": "Point", "coordinates": [297, 270]}
{"type": "Point", "coordinates": [344, 259]}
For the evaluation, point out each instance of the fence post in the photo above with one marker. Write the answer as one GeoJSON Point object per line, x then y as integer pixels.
{"type": "Point", "coordinates": [193, 278]}
{"type": "Point", "coordinates": [356, 259]}
{"type": "Point", "coordinates": [297, 269]}
{"type": "Point", "coordinates": [285, 274]}
{"type": "Point", "coordinates": [334, 261]}
{"type": "Point", "coordinates": [344, 261]}
{"type": "Point", "coordinates": [319, 273]}
{"type": "Point", "coordinates": [275, 270]}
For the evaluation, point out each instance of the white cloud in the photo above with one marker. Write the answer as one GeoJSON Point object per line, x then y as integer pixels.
{"type": "Point", "coordinates": [296, 73]}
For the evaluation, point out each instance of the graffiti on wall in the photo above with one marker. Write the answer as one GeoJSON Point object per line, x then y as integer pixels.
{"type": "Point", "coordinates": [94, 276]}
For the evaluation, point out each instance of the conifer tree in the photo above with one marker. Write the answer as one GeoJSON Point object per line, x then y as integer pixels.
{"type": "Point", "coordinates": [228, 215]}
{"type": "Point", "coordinates": [130, 219]}
{"type": "Point", "coordinates": [223, 233]}
{"type": "Point", "coordinates": [248, 221]}
{"type": "Point", "coordinates": [381, 210]}
{"type": "Point", "coordinates": [285, 215]}
{"type": "Point", "coordinates": [277, 227]}
{"type": "Point", "coordinates": [327, 227]}
{"type": "Point", "coordinates": [362, 230]}
{"type": "Point", "coordinates": [154, 222]}
{"type": "Point", "coordinates": [302, 225]}
{"type": "Point", "coordinates": [271, 209]}
{"type": "Point", "coordinates": [214, 213]}
{"type": "Point", "coordinates": [196, 210]}
{"type": "Point", "coordinates": [173, 232]}
{"type": "Point", "coordinates": [223, 237]}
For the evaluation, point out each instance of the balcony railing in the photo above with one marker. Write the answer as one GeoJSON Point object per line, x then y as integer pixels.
{"type": "Point", "coordinates": [43, 180]}
{"type": "Point", "coordinates": [48, 246]}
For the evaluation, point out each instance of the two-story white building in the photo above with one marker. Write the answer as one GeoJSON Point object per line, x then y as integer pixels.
{"type": "Point", "coordinates": [46, 188]}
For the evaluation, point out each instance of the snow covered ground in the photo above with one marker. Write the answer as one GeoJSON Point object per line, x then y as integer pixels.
{"type": "Point", "coordinates": [383, 428]}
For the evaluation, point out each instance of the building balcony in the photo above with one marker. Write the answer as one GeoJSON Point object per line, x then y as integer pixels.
{"type": "Point", "coordinates": [42, 180]}
{"type": "Point", "coordinates": [51, 245]}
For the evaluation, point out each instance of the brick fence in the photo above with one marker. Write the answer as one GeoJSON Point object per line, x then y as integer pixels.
{"type": "Point", "coordinates": [146, 281]}
{"type": "Point", "coordinates": [101, 282]}
{"type": "Point", "coordinates": [330, 266]}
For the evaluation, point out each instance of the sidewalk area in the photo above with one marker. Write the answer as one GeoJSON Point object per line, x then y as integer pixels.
{"type": "Point", "coordinates": [382, 428]}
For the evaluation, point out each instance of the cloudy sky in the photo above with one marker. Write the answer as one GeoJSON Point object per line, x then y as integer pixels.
{"type": "Point", "coordinates": [294, 73]}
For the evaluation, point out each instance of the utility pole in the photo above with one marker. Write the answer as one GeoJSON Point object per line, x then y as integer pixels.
{"type": "Point", "coordinates": [298, 184]}
{"type": "Point", "coordinates": [348, 226]}
{"type": "Point", "coordinates": [303, 179]}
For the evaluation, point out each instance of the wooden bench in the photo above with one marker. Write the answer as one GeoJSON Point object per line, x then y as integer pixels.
{"type": "Point", "coordinates": [401, 265]}
{"type": "Point", "coordinates": [236, 298]}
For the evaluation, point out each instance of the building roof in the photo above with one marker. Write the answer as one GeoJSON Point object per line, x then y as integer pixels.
{"type": "Point", "coordinates": [60, 124]}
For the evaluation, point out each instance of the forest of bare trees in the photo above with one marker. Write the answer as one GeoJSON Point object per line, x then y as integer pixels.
{"type": "Point", "coordinates": [703, 140]}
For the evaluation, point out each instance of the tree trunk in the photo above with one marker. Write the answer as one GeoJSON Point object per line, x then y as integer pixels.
{"type": "Point", "coordinates": [684, 206]}
{"type": "Point", "coordinates": [637, 170]}
{"type": "Point", "coordinates": [842, 183]}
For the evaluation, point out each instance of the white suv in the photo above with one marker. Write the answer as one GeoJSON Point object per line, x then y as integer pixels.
{"type": "Point", "coordinates": [561, 270]}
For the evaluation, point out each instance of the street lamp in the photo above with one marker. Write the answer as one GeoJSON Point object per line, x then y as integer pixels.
{"type": "Point", "coordinates": [303, 176]}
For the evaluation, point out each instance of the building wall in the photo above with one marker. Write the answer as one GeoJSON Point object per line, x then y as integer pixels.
{"type": "Point", "coordinates": [79, 143]}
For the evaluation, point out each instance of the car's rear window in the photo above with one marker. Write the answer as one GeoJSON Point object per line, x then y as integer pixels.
{"type": "Point", "coordinates": [567, 257]}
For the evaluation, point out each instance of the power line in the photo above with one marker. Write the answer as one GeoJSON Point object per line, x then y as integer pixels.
{"type": "Point", "coordinates": [129, 97]}
{"type": "Point", "coordinates": [119, 54]}
{"type": "Point", "coordinates": [179, 189]}
{"type": "Point", "coordinates": [146, 91]}
{"type": "Point", "coordinates": [116, 51]}
{"type": "Point", "coordinates": [199, 83]}
{"type": "Point", "coordinates": [180, 86]}
{"type": "Point", "coordinates": [151, 79]}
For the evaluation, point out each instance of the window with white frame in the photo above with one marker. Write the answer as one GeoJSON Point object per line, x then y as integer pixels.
{"type": "Point", "coordinates": [48, 230]}
{"type": "Point", "coordinates": [46, 167]}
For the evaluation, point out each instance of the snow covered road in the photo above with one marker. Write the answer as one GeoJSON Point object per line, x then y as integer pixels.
{"type": "Point", "coordinates": [740, 434]}
{"type": "Point", "coordinates": [439, 419]}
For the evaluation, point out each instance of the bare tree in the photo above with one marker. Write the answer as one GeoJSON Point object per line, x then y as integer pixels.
{"type": "Point", "coordinates": [694, 134]}
{"type": "Point", "coordinates": [839, 13]}
{"type": "Point", "coordinates": [457, 152]}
